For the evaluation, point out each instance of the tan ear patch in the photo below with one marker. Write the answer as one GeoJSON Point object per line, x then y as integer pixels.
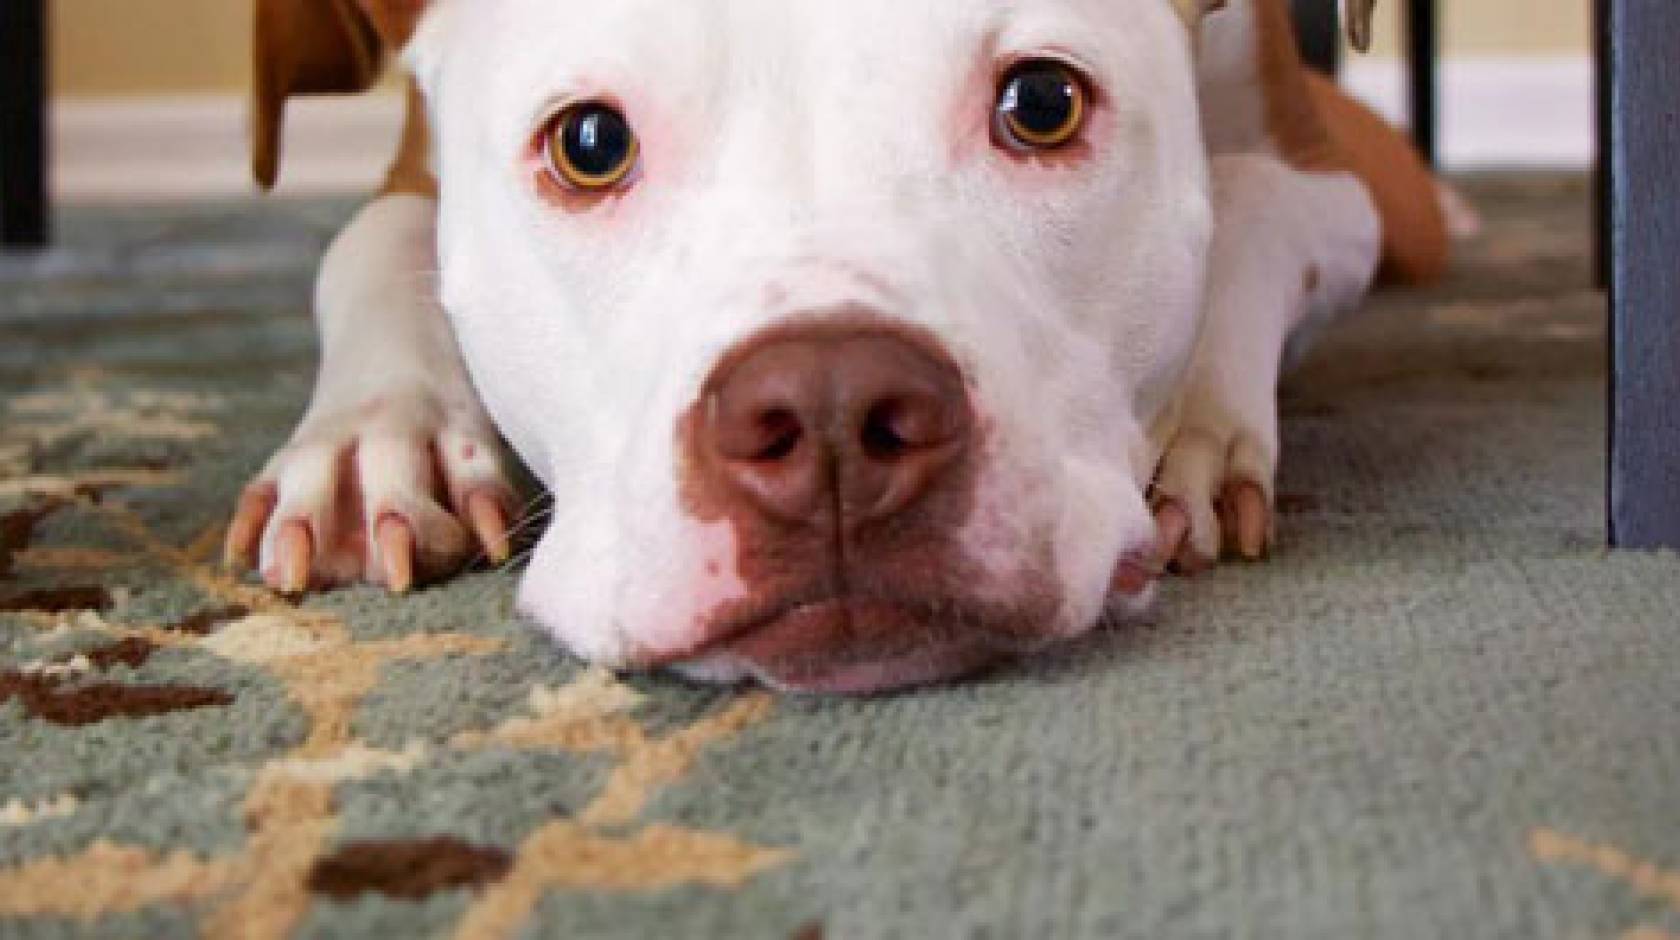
{"type": "Point", "coordinates": [395, 19]}
{"type": "Point", "coordinates": [1194, 10]}
{"type": "Point", "coordinates": [304, 47]}
{"type": "Point", "coordinates": [411, 171]}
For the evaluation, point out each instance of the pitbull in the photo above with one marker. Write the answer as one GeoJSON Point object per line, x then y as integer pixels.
{"type": "Point", "coordinates": [858, 344]}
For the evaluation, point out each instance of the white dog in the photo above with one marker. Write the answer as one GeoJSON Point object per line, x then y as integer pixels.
{"type": "Point", "coordinates": [857, 343]}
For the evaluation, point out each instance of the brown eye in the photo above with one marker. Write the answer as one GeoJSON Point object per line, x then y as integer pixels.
{"type": "Point", "coordinates": [1041, 106]}
{"type": "Point", "coordinates": [590, 147]}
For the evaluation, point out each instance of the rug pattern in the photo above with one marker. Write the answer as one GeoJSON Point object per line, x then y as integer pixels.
{"type": "Point", "coordinates": [1442, 710]}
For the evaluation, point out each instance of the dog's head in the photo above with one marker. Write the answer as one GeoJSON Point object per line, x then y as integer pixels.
{"type": "Point", "coordinates": [835, 329]}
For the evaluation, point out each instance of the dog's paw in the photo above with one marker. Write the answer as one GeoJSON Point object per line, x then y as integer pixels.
{"type": "Point", "coordinates": [400, 489]}
{"type": "Point", "coordinates": [1213, 496]}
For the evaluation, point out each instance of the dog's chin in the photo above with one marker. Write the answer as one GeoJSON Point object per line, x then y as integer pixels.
{"type": "Point", "coordinates": [857, 646]}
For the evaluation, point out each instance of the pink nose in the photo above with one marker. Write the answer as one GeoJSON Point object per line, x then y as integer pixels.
{"type": "Point", "coordinates": [859, 423]}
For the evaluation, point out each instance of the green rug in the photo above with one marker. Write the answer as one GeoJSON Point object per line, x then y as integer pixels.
{"type": "Point", "coordinates": [1441, 711]}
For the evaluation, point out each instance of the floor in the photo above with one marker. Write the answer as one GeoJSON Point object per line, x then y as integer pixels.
{"type": "Point", "coordinates": [1442, 710]}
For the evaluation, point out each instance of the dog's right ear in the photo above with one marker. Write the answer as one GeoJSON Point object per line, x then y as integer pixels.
{"type": "Point", "coordinates": [1356, 13]}
{"type": "Point", "coordinates": [1194, 10]}
{"type": "Point", "coordinates": [395, 19]}
{"type": "Point", "coordinates": [305, 47]}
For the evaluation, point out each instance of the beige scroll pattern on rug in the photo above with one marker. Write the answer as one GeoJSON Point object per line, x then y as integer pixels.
{"type": "Point", "coordinates": [1645, 877]}
{"type": "Point", "coordinates": [264, 891]}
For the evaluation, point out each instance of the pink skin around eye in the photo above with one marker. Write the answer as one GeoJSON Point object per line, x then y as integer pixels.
{"type": "Point", "coordinates": [969, 125]}
{"type": "Point", "coordinates": [971, 132]}
{"type": "Point", "coordinates": [609, 204]}
{"type": "Point", "coordinates": [617, 205]}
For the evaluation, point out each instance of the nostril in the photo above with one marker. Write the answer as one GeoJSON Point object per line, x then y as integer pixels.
{"type": "Point", "coordinates": [899, 426]}
{"type": "Point", "coordinates": [884, 434]}
{"type": "Point", "coordinates": [755, 433]}
{"type": "Point", "coordinates": [779, 433]}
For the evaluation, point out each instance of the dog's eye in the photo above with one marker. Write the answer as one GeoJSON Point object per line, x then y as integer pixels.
{"type": "Point", "coordinates": [1041, 105]}
{"type": "Point", "coordinates": [590, 147]}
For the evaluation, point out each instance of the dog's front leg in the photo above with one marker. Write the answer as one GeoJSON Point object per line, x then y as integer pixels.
{"type": "Point", "coordinates": [1291, 248]}
{"type": "Point", "coordinates": [394, 473]}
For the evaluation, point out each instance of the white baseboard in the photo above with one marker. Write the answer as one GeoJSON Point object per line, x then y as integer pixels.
{"type": "Point", "coordinates": [1495, 113]}
{"type": "Point", "coordinates": [157, 149]}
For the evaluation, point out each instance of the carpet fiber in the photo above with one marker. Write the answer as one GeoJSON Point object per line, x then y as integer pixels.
{"type": "Point", "coordinates": [1442, 709]}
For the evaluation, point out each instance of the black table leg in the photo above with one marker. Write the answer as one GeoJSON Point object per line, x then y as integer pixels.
{"type": "Point", "coordinates": [23, 150]}
{"type": "Point", "coordinates": [1318, 31]}
{"type": "Point", "coordinates": [1644, 147]}
{"type": "Point", "coordinates": [1421, 54]}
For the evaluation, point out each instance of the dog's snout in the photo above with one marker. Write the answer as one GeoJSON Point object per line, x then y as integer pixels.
{"type": "Point", "coordinates": [862, 422]}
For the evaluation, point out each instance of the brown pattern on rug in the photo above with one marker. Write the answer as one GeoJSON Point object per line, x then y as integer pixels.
{"type": "Point", "coordinates": [62, 702]}
{"type": "Point", "coordinates": [129, 651]}
{"type": "Point", "coordinates": [58, 600]}
{"type": "Point", "coordinates": [207, 621]}
{"type": "Point", "coordinates": [412, 869]}
{"type": "Point", "coordinates": [18, 526]}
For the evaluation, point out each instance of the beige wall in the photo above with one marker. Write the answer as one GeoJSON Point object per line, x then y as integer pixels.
{"type": "Point", "coordinates": [1500, 27]}
{"type": "Point", "coordinates": [109, 47]}
{"type": "Point", "coordinates": [112, 47]}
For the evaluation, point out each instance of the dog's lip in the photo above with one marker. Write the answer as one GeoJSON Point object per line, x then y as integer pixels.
{"type": "Point", "coordinates": [1134, 576]}
{"type": "Point", "coordinates": [856, 645]}
{"type": "Point", "coordinates": [737, 635]}
{"type": "Point", "coordinates": [726, 634]}
{"type": "Point", "coordinates": [720, 635]}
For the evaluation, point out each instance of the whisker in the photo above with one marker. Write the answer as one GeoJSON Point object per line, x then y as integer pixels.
{"type": "Point", "coordinates": [526, 525]}
{"type": "Point", "coordinates": [531, 503]}
{"type": "Point", "coordinates": [531, 518]}
{"type": "Point", "coordinates": [515, 561]}
{"type": "Point", "coordinates": [528, 516]}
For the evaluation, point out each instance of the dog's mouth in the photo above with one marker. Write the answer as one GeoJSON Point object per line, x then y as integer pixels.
{"type": "Point", "coordinates": [853, 644]}
{"type": "Point", "coordinates": [835, 639]}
